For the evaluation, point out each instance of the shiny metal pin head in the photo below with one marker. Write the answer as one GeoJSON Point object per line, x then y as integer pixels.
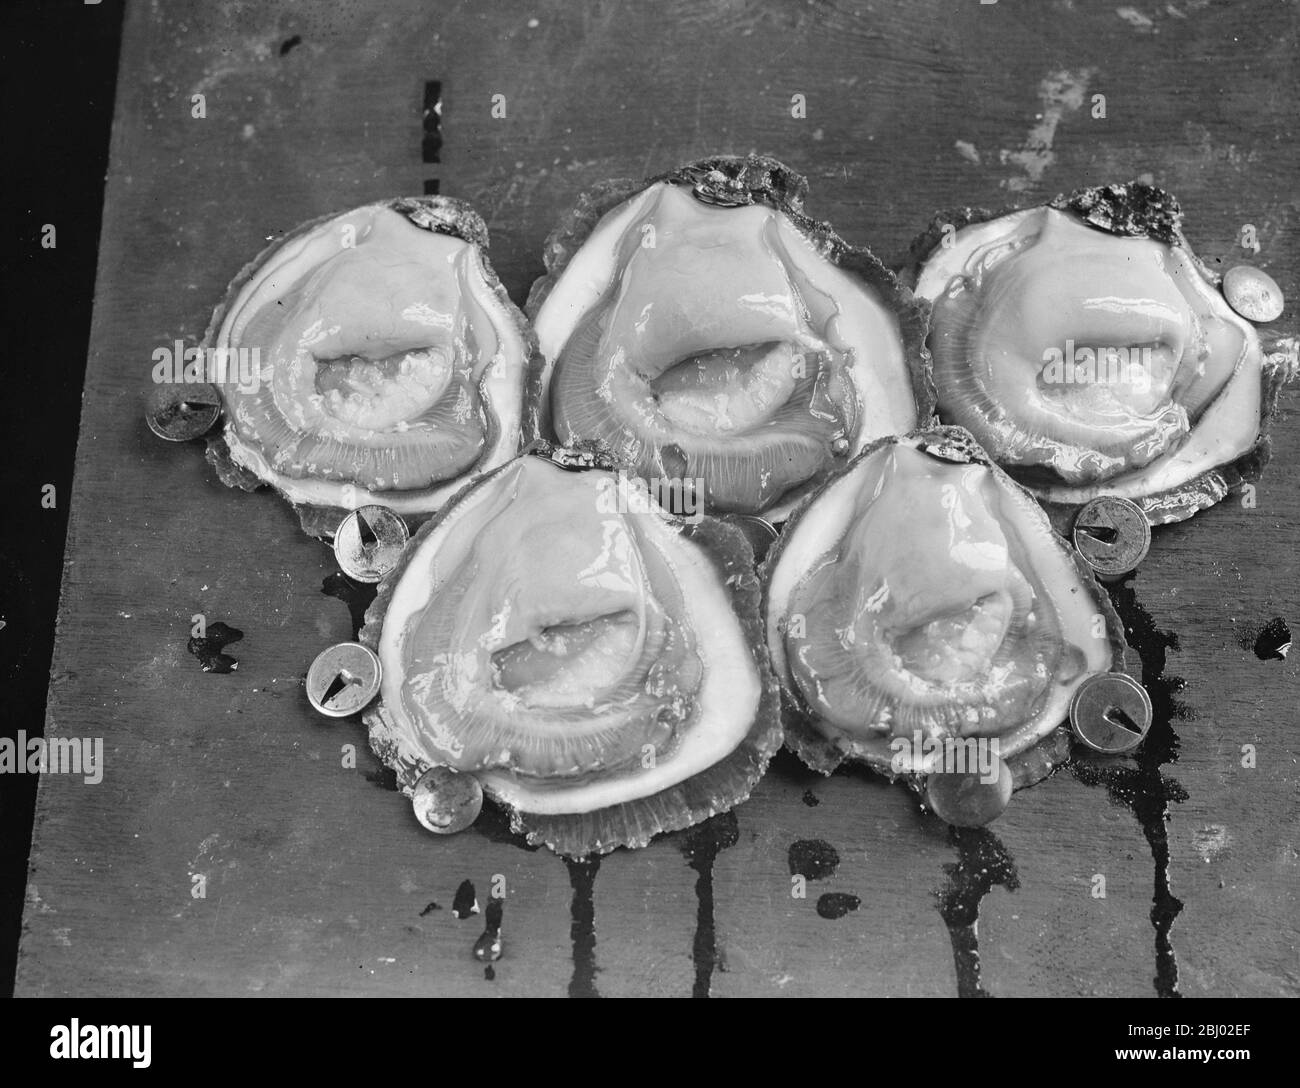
{"type": "Point", "coordinates": [1112, 534]}
{"type": "Point", "coordinates": [369, 542]}
{"type": "Point", "coordinates": [180, 411]}
{"type": "Point", "coordinates": [1255, 295]}
{"type": "Point", "coordinates": [970, 798]}
{"type": "Point", "coordinates": [1110, 712]}
{"type": "Point", "coordinates": [447, 801]}
{"type": "Point", "coordinates": [343, 679]}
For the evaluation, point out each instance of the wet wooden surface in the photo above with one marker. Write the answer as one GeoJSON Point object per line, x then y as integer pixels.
{"type": "Point", "coordinates": [318, 879]}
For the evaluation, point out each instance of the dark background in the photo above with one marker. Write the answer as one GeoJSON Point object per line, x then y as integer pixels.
{"type": "Point", "coordinates": [58, 68]}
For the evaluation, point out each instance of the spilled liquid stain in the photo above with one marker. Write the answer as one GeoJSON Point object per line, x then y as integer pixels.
{"type": "Point", "coordinates": [982, 864]}
{"type": "Point", "coordinates": [290, 43]}
{"type": "Point", "coordinates": [1272, 642]}
{"type": "Point", "coordinates": [466, 901]}
{"type": "Point", "coordinates": [814, 859]}
{"type": "Point", "coordinates": [431, 143]}
{"type": "Point", "coordinates": [582, 925]}
{"type": "Point", "coordinates": [488, 946]}
{"type": "Point", "coordinates": [834, 905]}
{"type": "Point", "coordinates": [1141, 786]}
{"type": "Point", "coordinates": [811, 799]}
{"type": "Point", "coordinates": [382, 776]}
{"type": "Point", "coordinates": [701, 845]}
{"type": "Point", "coordinates": [208, 648]}
{"type": "Point", "coordinates": [493, 824]}
{"type": "Point", "coordinates": [355, 595]}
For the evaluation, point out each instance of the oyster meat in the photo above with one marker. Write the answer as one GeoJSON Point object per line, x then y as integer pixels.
{"type": "Point", "coordinates": [700, 326]}
{"type": "Point", "coordinates": [921, 596]}
{"type": "Point", "coordinates": [1091, 353]}
{"type": "Point", "coordinates": [594, 661]}
{"type": "Point", "coordinates": [392, 365]}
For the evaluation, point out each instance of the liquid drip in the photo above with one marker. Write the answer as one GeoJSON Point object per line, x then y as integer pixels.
{"type": "Point", "coordinates": [466, 901]}
{"type": "Point", "coordinates": [1272, 642]}
{"type": "Point", "coordinates": [382, 776]}
{"type": "Point", "coordinates": [1141, 787]}
{"type": "Point", "coordinates": [700, 845]}
{"type": "Point", "coordinates": [582, 927]}
{"type": "Point", "coordinates": [488, 947]}
{"type": "Point", "coordinates": [834, 905]}
{"type": "Point", "coordinates": [982, 863]}
{"type": "Point", "coordinates": [208, 648]}
{"type": "Point", "coordinates": [493, 823]}
{"type": "Point", "coordinates": [356, 596]}
{"type": "Point", "coordinates": [814, 859]}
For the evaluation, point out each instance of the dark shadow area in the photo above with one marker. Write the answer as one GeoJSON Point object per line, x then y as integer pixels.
{"type": "Point", "coordinates": [58, 68]}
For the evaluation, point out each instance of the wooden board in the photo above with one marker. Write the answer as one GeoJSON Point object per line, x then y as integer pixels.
{"type": "Point", "coordinates": [317, 878]}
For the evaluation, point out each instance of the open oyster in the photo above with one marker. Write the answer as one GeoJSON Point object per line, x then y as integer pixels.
{"type": "Point", "coordinates": [700, 326]}
{"type": "Point", "coordinates": [1091, 353]}
{"type": "Point", "coordinates": [922, 596]}
{"type": "Point", "coordinates": [596, 662]}
{"type": "Point", "coordinates": [392, 364]}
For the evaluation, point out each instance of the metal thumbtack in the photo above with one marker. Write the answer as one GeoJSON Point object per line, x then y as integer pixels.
{"type": "Point", "coordinates": [1253, 294]}
{"type": "Point", "coordinates": [969, 798]}
{"type": "Point", "coordinates": [343, 679]}
{"type": "Point", "coordinates": [1112, 534]}
{"type": "Point", "coordinates": [179, 411]}
{"type": "Point", "coordinates": [447, 801]}
{"type": "Point", "coordinates": [369, 542]}
{"type": "Point", "coordinates": [1110, 712]}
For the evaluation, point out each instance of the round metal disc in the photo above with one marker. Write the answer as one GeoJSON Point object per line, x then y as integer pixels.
{"type": "Point", "coordinates": [369, 542]}
{"type": "Point", "coordinates": [1110, 712]}
{"type": "Point", "coordinates": [967, 798]}
{"type": "Point", "coordinates": [758, 531]}
{"type": "Point", "coordinates": [180, 411]}
{"type": "Point", "coordinates": [1112, 534]}
{"type": "Point", "coordinates": [447, 801]}
{"type": "Point", "coordinates": [1253, 294]}
{"type": "Point", "coordinates": [343, 679]}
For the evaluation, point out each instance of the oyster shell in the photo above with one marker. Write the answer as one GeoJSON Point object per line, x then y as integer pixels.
{"type": "Point", "coordinates": [1090, 352]}
{"type": "Point", "coordinates": [392, 363]}
{"type": "Point", "coordinates": [594, 661]}
{"type": "Point", "coordinates": [699, 325]}
{"type": "Point", "coordinates": [923, 591]}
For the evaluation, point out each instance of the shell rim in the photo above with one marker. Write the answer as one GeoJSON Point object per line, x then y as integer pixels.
{"type": "Point", "coordinates": [570, 835]}
{"type": "Point", "coordinates": [1132, 209]}
{"type": "Point", "coordinates": [439, 214]}
{"type": "Point", "coordinates": [766, 180]}
{"type": "Point", "coordinates": [824, 755]}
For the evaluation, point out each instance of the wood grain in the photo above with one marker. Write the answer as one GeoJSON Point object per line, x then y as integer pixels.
{"type": "Point", "coordinates": [318, 879]}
